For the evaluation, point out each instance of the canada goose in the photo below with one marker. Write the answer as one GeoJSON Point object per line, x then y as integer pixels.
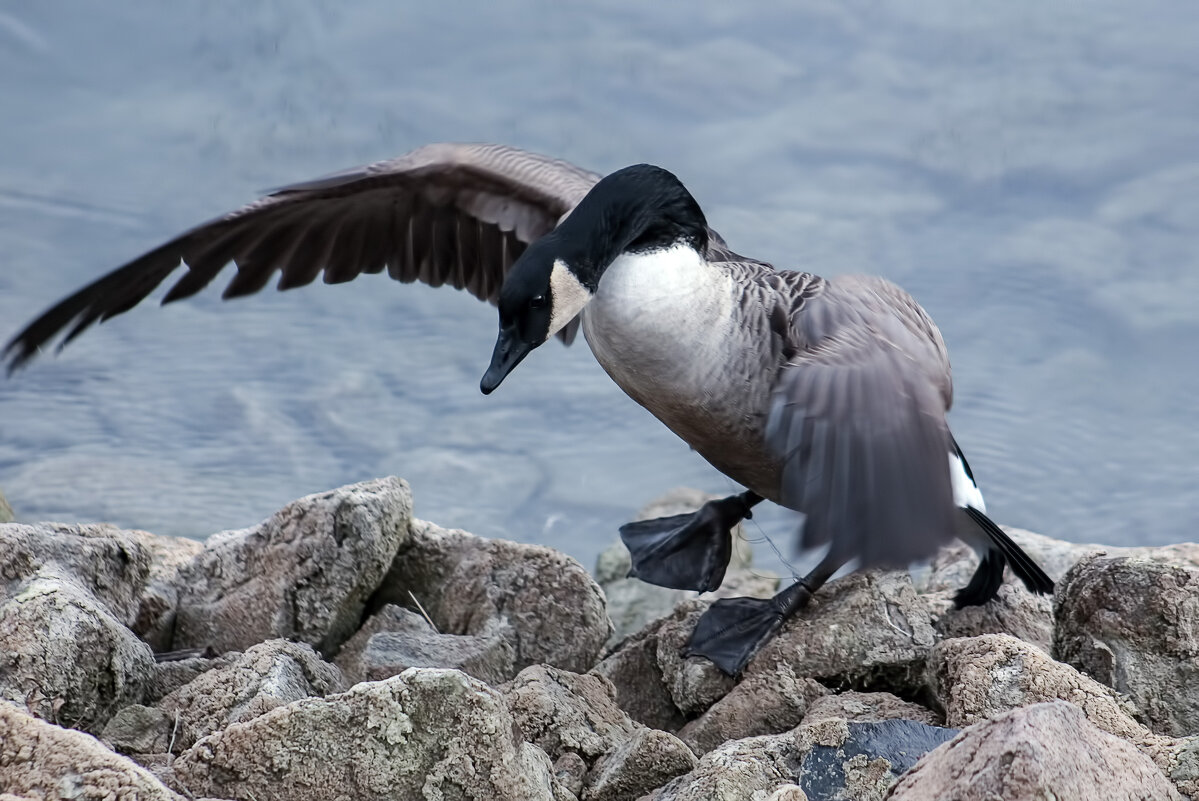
{"type": "Point", "coordinates": [827, 396]}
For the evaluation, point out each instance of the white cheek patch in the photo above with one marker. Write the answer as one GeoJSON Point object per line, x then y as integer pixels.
{"type": "Point", "coordinates": [568, 296]}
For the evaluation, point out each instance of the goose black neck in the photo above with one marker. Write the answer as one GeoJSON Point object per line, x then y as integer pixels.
{"type": "Point", "coordinates": [634, 210]}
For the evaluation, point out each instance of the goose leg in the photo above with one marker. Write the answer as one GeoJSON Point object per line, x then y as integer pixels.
{"type": "Point", "coordinates": [688, 551]}
{"type": "Point", "coordinates": [733, 629]}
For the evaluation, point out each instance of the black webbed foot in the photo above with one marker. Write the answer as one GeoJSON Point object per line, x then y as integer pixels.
{"type": "Point", "coordinates": [688, 551]}
{"type": "Point", "coordinates": [732, 631]}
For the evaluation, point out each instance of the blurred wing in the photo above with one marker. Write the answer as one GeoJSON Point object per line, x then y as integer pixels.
{"type": "Point", "coordinates": [442, 214]}
{"type": "Point", "coordinates": [860, 426]}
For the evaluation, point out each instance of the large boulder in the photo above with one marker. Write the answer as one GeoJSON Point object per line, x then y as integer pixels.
{"type": "Point", "coordinates": [40, 760]}
{"type": "Point", "coordinates": [304, 574]}
{"type": "Point", "coordinates": [1044, 751]}
{"type": "Point", "coordinates": [1014, 610]}
{"type": "Point", "coordinates": [110, 564]}
{"type": "Point", "coordinates": [426, 733]}
{"type": "Point", "coordinates": [976, 678]}
{"type": "Point", "coordinates": [65, 657]}
{"type": "Point", "coordinates": [1133, 624]}
{"type": "Point", "coordinates": [550, 609]}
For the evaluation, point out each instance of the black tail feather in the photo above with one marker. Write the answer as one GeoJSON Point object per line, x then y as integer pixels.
{"type": "Point", "coordinates": [1022, 564]}
{"type": "Point", "coordinates": [985, 582]}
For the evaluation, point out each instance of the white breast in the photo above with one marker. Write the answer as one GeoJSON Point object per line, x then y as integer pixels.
{"type": "Point", "coordinates": [662, 315]}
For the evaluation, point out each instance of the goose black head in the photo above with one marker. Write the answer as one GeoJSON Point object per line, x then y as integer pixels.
{"type": "Point", "coordinates": [636, 209]}
{"type": "Point", "coordinates": [539, 297]}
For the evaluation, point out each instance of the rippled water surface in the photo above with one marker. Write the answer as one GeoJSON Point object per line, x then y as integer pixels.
{"type": "Point", "coordinates": [1029, 173]}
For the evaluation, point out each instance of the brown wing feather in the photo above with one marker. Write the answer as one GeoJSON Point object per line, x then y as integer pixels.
{"type": "Point", "coordinates": [858, 418]}
{"type": "Point", "coordinates": [444, 213]}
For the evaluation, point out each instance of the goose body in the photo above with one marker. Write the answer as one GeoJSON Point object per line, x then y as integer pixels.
{"type": "Point", "coordinates": [827, 396]}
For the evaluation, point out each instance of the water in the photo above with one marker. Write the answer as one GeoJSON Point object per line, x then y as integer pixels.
{"type": "Point", "coordinates": [1030, 173]}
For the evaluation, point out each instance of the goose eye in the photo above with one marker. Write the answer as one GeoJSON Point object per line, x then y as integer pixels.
{"type": "Point", "coordinates": [537, 302]}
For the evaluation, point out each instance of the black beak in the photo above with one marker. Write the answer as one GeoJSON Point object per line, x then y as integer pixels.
{"type": "Point", "coordinates": [510, 349]}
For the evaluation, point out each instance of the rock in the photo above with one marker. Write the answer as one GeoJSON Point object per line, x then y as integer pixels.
{"type": "Point", "coordinates": [562, 712]}
{"type": "Point", "coordinates": [767, 702]}
{"type": "Point", "coordinates": [788, 792]}
{"type": "Point", "coordinates": [468, 585]}
{"type": "Point", "coordinates": [569, 770]}
{"type": "Point", "coordinates": [423, 734]}
{"type": "Point", "coordinates": [6, 514]}
{"type": "Point", "coordinates": [1044, 751]}
{"type": "Point", "coordinates": [866, 630]}
{"type": "Point", "coordinates": [138, 729]}
{"type": "Point", "coordinates": [1133, 623]}
{"type": "Point", "coordinates": [40, 760]}
{"type": "Point", "coordinates": [866, 759]}
{"type": "Point", "coordinates": [304, 574]}
{"type": "Point", "coordinates": [110, 564]}
{"type": "Point", "coordinates": [269, 675]}
{"type": "Point", "coordinates": [65, 658]}
{"type": "Point", "coordinates": [395, 639]}
{"type": "Point", "coordinates": [155, 620]}
{"type": "Point", "coordinates": [694, 683]}
{"type": "Point", "coordinates": [170, 676]}
{"type": "Point", "coordinates": [646, 760]}
{"type": "Point", "coordinates": [861, 707]}
{"type": "Point", "coordinates": [640, 687]}
{"type": "Point", "coordinates": [983, 677]}
{"type": "Point", "coordinates": [1014, 611]}
{"type": "Point", "coordinates": [632, 603]}
{"type": "Point", "coordinates": [741, 770]}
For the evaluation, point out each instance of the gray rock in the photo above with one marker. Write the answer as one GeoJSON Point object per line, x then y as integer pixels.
{"type": "Point", "coordinates": [170, 676]}
{"type": "Point", "coordinates": [864, 763]}
{"type": "Point", "coordinates": [467, 585]}
{"type": "Point", "coordinates": [267, 676]}
{"type": "Point", "coordinates": [977, 678]}
{"type": "Point", "coordinates": [767, 702]}
{"type": "Point", "coordinates": [1043, 751]}
{"type": "Point", "coordinates": [640, 687]}
{"type": "Point", "coordinates": [867, 630]}
{"type": "Point", "coordinates": [569, 770]}
{"type": "Point", "coordinates": [395, 639]}
{"type": "Point", "coordinates": [741, 770]}
{"type": "Point", "coordinates": [304, 574]}
{"type": "Point", "coordinates": [1133, 624]}
{"type": "Point", "coordinates": [159, 600]}
{"type": "Point", "coordinates": [138, 729]}
{"type": "Point", "coordinates": [110, 564]}
{"type": "Point", "coordinates": [40, 760]}
{"type": "Point", "coordinates": [1014, 611]}
{"type": "Point", "coordinates": [641, 763]}
{"type": "Point", "coordinates": [563, 712]}
{"type": "Point", "coordinates": [861, 707]}
{"type": "Point", "coordinates": [788, 792]}
{"type": "Point", "coordinates": [694, 683]}
{"type": "Point", "coordinates": [423, 734]}
{"type": "Point", "coordinates": [65, 658]}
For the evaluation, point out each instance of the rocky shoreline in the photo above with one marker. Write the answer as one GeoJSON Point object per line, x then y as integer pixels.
{"type": "Point", "coordinates": [344, 649]}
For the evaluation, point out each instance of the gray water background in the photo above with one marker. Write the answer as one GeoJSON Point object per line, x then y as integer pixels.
{"type": "Point", "coordinates": [1029, 171]}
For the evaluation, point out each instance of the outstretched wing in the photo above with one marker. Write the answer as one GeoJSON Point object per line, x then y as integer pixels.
{"type": "Point", "coordinates": [858, 417]}
{"type": "Point", "coordinates": [442, 214]}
